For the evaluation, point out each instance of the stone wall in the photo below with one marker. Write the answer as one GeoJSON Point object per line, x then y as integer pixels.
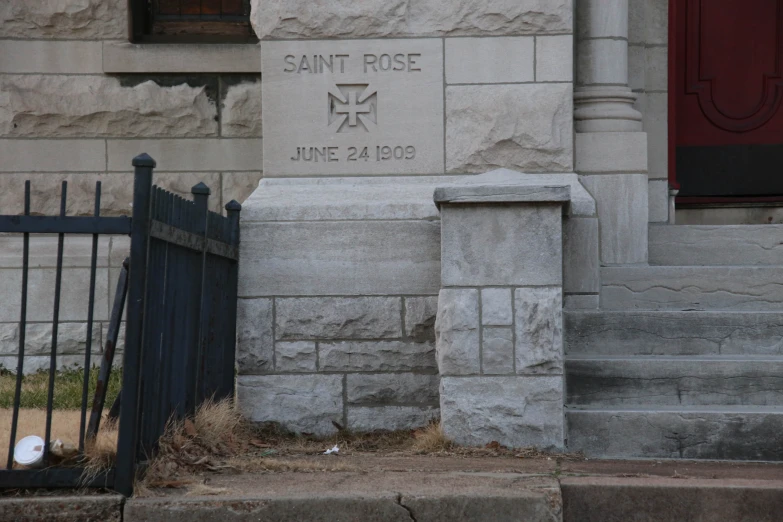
{"type": "Point", "coordinates": [341, 261]}
{"type": "Point", "coordinates": [77, 103]}
{"type": "Point", "coordinates": [648, 76]}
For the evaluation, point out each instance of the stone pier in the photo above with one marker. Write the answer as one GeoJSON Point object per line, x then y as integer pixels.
{"type": "Point", "coordinates": [498, 331]}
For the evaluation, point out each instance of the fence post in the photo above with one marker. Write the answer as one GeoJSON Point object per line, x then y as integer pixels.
{"type": "Point", "coordinates": [232, 211]}
{"type": "Point", "coordinates": [129, 415]}
{"type": "Point", "coordinates": [201, 194]}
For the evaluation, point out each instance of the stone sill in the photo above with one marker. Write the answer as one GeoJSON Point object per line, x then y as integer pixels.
{"type": "Point", "coordinates": [124, 57]}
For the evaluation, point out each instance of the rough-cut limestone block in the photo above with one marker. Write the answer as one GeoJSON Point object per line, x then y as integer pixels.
{"type": "Point", "coordinates": [457, 332]}
{"type": "Point", "coordinates": [239, 185]}
{"type": "Point", "coordinates": [725, 434]}
{"type": "Point", "coordinates": [40, 363]}
{"type": "Point", "coordinates": [539, 330]}
{"type": "Point", "coordinates": [496, 307]}
{"type": "Point", "coordinates": [390, 418]}
{"type": "Point", "coordinates": [255, 343]}
{"type": "Point", "coordinates": [338, 318]}
{"type": "Point", "coordinates": [71, 339]}
{"type": "Point", "coordinates": [9, 338]}
{"type": "Point", "coordinates": [673, 333]}
{"type": "Point", "coordinates": [392, 388]}
{"type": "Point", "coordinates": [420, 317]}
{"type": "Point", "coordinates": [376, 356]}
{"type": "Point", "coordinates": [488, 245]}
{"type": "Point", "coordinates": [241, 112]}
{"type": "Point", "coordinates": [514, 411]}
{"type": "Point", "coordinates": [385, 19]}
{"type": "Point", "coordinates": [66, 19]}
{"type": "Point", "coordinates": [301, 403]}
{"type": "Point", "coordinates": [695, 245]}
{"type": "Point", "coordinates": [581, 263]}
{"type": "Point", "coordinates": [524, 127]}
{"type": "Point", "coordinates": [67, 106]}
{"type": "Point", "coordinates": [343, 258]}
{"type": "Point", "coordinates": [296, 356]}
{"type": "Point", "coordinates": [744, 288]}
{"type": "Point", "coordinates": [74, 294]}
{"type": "Point", "coordinates": [674, 381]}
{"type": "Point", "coordinates": [497, 351]}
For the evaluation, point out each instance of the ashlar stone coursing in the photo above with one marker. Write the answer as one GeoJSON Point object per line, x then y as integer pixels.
{"type": "Point", "coordinates": [390, 417]}
{"type": "Point", "coordinates": [511, 410]}
{"type": "Point", "coordinates": [303, 19]}
{"type": "Point", "coordinates": [392, 388]}
{"type": "Point", "coordinates": [69, 106]}
{"type": "Point", "coordinates": [526, 127]}
{"type": "Point", "coordinates": [420, 313]}
{"type": "Point", "coordinates": [302, 403]}
{"type": "Point", "coordinates": [338, 318]}
{"type": "Point", "coordinates": [255, 343]}
{"type": "Point", "coordinates": [539, 330]}
{"type": "Point", "coordinates": [296, 356]}
{"type": "Point", "coordinates": [376, 356]}
{"type": "Point", "coordinates": [457, 332]}
{"type": "Point", "coordinates": [67, 19]}
{"type": "Point", "coordinates": [71, 339]}
{"type": "Point", "coordinates": [240, 114]}
{"type": "Point", "coordinates": [497, 351]}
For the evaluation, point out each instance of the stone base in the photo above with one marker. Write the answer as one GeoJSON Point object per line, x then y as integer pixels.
{"type": "Point", "coordinates": [516, 411]}
{"type": "Point", "coordinates": [338, 283]}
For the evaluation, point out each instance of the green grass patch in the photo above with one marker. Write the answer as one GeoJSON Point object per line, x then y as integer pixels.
{"type": "Point", "coordinates": [67, 389]}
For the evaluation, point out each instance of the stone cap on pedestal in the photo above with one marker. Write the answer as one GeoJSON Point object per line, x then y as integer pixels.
{"type": "Point", "coordinates": [509, 186]}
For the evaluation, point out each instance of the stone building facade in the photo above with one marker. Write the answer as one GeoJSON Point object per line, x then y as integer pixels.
{"type": "Point", "coordinates": [452, 208]}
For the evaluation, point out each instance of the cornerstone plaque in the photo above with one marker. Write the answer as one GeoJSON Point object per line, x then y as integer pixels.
{"type": "Point", "coordinates": [352, 107]}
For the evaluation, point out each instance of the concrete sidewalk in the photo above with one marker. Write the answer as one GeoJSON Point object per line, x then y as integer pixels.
{"type": "Point", "coordinates": [427, 489]}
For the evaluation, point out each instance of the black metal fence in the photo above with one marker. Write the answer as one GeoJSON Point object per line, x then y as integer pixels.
{"type": "Point", "coordinates": [181, 283]}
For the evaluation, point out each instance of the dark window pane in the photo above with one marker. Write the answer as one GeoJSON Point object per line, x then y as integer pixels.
{"type": "Point", "coordinates": [191, 7]}
{"type": "Point", "coordinates": [210, 7]}
{"type": "Point", "coordinates": [168, 7]}
{"type": "Point", "coordinates": [234, 7]}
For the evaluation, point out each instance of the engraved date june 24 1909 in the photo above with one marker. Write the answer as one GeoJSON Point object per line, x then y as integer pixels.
{"type": "Point", "coordinates": [376, 153]}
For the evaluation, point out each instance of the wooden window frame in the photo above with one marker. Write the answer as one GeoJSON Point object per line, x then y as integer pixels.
{"type": "Point", "coordinates": [144, 26]}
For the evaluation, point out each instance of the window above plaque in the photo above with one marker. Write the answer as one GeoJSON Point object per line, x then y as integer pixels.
{"type": "Point", "coordinates": [191, 21]}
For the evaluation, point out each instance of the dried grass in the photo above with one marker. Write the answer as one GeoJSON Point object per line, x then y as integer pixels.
{"type": "Point", "coordinates": [431, 439]}
{"type": "Point", "coordinates": [205, 442]}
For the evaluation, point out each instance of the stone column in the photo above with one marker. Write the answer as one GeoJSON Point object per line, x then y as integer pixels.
{"type": "Point", "coordinates": [499, 324]}
{"type": "Point", "coordinates": [611, 150]}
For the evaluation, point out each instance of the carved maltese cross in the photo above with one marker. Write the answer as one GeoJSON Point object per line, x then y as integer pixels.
{"type": "Point", "coordinates": [353, 108]}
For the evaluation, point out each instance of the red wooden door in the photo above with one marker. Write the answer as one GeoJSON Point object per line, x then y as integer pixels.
{"type": "Point", "coordinates": [728, 119]}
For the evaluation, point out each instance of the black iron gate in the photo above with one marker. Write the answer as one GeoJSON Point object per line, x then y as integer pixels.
{"type": "Point", "coordinates": [180, 324]}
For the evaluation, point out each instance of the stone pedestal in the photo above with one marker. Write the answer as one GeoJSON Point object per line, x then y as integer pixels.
{"type": "Point", "coordinates": [499, 324]}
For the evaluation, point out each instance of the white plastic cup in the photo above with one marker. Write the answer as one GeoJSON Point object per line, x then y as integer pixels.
{"type": "Point", "coordinates": [29, 451]}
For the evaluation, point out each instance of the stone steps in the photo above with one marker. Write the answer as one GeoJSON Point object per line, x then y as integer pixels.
{"type": "Point", "coordinates": [674, 381]}
{"type": "Point", "coordinates": [622, 333]}
{"type": "Point", "coordinates": [725, 433]}
{"type": "Point", "coordinates": [731, 288]}
{"type": "Point", "coordinates": [696, 245]}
